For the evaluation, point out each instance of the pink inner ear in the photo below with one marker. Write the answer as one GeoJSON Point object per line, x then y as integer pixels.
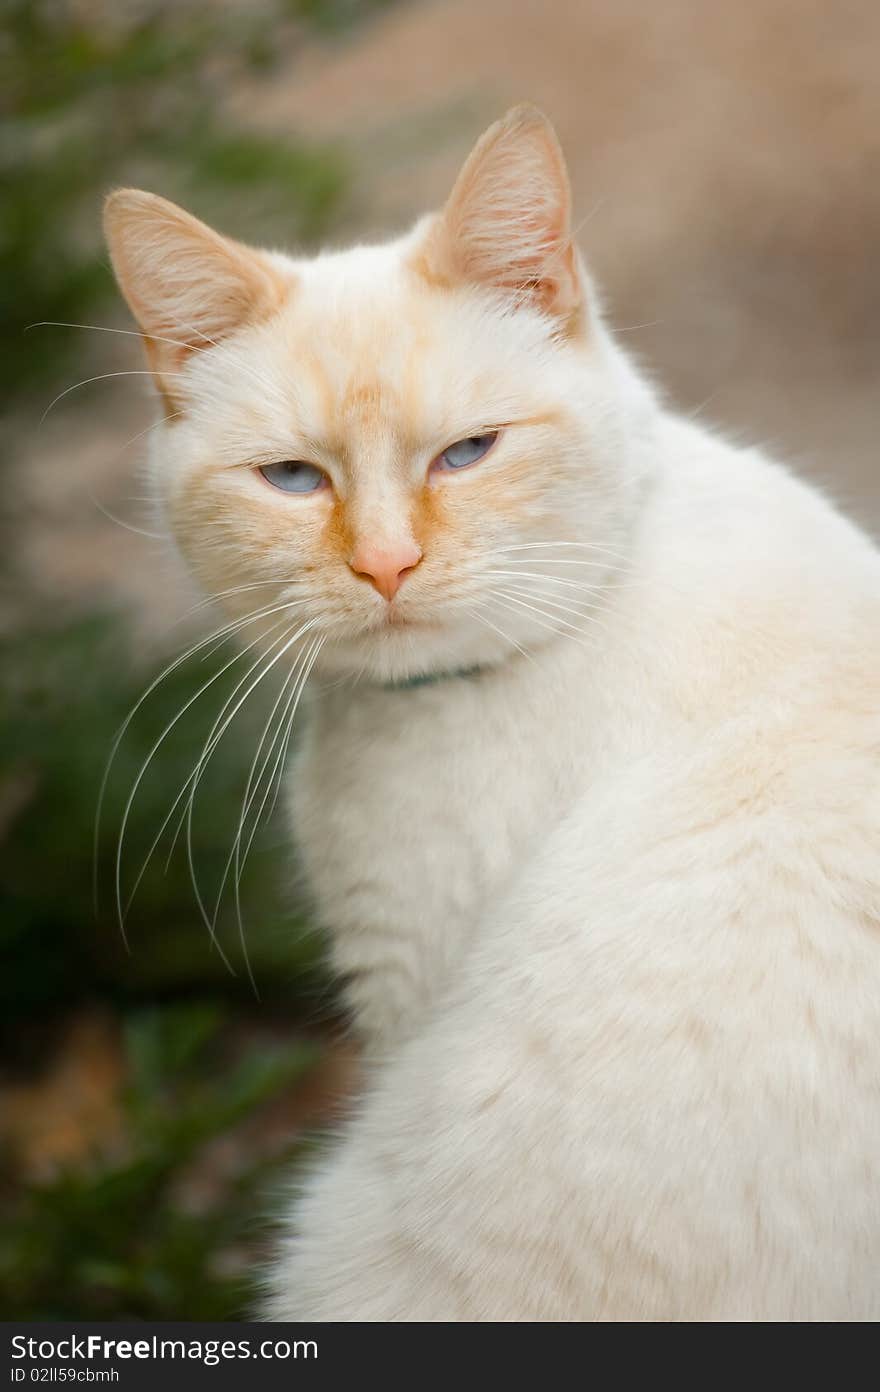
{"type": "Point", "coordinates": [186, 285]}
{"type": "Point", "coordinates": [532, 257]}
{"type": "Point", "coordinates": [506, 223]}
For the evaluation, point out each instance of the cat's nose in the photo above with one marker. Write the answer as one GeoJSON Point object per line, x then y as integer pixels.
{"type": "Point", "coordinates": [386, 566]}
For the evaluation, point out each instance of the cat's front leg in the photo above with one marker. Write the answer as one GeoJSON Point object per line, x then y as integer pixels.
{"type": "Point", "coordinates": [346, 1257]}
{"type": "Point", "coordinates": [438, 1203]}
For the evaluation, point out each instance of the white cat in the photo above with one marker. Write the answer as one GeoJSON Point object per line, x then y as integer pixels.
{"type": "Point", "coordinates": [595, 826]}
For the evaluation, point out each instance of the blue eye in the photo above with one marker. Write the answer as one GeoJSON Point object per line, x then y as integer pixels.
{"type": "Point", "coordinates": [292, 476]}
{"type": "Point", "coordinates": [465, 452]}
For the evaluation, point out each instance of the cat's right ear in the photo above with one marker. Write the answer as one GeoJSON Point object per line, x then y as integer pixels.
{"type": "Point", "coordinates": [187, 286]}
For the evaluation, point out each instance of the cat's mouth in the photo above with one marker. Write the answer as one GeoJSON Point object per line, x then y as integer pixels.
{"type": "Point", "coordinates": [398, 620]}
{"type": "Point", "coordinates": [394, 619]}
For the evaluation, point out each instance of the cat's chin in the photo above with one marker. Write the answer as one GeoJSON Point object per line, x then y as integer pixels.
{"type": "Point", "coordinates": [409, 649]}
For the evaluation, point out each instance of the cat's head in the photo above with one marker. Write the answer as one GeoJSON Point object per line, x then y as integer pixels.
{"type": "Point", "coordinates": [387, 438]}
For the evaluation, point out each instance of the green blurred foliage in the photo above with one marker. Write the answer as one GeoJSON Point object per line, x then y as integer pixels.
{"type": "Point", "coordinates": [108, 1240]}
{"type": "Point", "coordinates": [93, 95]}
{"type": "Point", "coordinates": [97, 96]}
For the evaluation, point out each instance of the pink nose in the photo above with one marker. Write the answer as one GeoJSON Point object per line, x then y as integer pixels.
{"type": "Point", "coordinates": [386, 566]}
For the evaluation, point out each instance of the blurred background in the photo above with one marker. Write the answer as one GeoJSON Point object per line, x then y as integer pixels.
{"type": "Point", "coordinates": [726, 169]}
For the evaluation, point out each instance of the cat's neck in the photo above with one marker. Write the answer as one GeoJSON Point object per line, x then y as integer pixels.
{"type": "Point", "coordinates": [414, 806]}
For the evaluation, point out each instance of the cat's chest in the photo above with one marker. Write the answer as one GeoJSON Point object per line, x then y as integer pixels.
{"type": "Point", "coordinates": [410, 811]}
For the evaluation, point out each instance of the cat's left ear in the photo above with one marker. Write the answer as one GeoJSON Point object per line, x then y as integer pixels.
{"type": "Point", "coordinates": [507, 222]}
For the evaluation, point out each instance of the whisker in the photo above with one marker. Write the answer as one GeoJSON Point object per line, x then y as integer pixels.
{"type": "Point", "coordinates": [182, 791]}
{"type": "Point", "coordinates": [163, 420]}
{"type": "Point", "coordinates": [283, 730]}
{"type": "Point", "coordinates": [288, 734]}
{"type": "Point", "coordinates": [582, 611]}
{"type": "Point", "coordinates": [548, 621]}
{"type": "Point", "coordinates": [631, 328]}
{"type": "Point", "coordinates": [589, 615]}
{"type": "Point", "coordinates": [241, 858]}
{"type": "Point", "coordinates": [104, 328]}
{"type": "Point", "coordinates": [557, 580]}
{"type": "Point", "coordinates": [550, 545]}
{"type": "Point", "coordinates": [111, 516]}
{"type": "Point", "coordinates": [254, 617]}
{"type": "Point", "coordinates": [594, 593]}
{"type": "Point", "coordinates": [206, 755]}
{"type": "Point", "coordinates": [605, 566]}
{"type": "Point", "coordinates": [234, 590]}
{"type": "Point", "coordinates": [210, 743]}
{"type": "Point", "coordinates": [264, 384]}
{"type": "Point", "coordinates": [481, 618]}
{"type": "Point", "coordinates": [133, 794]}
{"type": "Point", "coordinates": [190, 785]}
{"type": "Point", "coordinates": [101, 377]}
{"type": "Point", "coordinates": [218, 637]}
{"type": "Point", "coordinates": [287, 694]}
{"type": "Point", "coordinates": [221, 725]}
{"type": "Point", "coordinates": [153, 338]}
{"type": "Point", "coordinates": [154, 536]}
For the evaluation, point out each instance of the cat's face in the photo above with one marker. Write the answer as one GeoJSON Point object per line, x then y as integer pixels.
{"type": "Point", "coordinates": [386, 439]}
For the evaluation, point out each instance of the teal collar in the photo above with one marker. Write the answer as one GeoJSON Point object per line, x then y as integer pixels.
{"type": "Point", "coordinates": [434, 678]}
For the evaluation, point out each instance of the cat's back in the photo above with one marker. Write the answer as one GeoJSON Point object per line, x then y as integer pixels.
{"type": "Point", "coordinates": [747, 636]}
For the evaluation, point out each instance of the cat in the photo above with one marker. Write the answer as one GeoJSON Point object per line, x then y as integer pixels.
{"type": "Point", "coordinates": [588, 786]}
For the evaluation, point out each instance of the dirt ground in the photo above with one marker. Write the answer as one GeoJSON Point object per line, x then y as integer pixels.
{"type": "Point", "coordinates": [725, 162]}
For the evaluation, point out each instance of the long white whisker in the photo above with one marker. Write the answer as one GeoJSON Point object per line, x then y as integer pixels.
{"type": "Point", "coordinates": [237, 589]}
{"type": "Point", "coordinates": [233, 590]}
{"type": "Point", "coordinates": [631, 328]}
{"type": "Point", "coordinates": [146, 764]}
{"type": "Point", "coordinates": [582, 611]}
{"type": "Point", "coordinates": [581, 586]}
{"type": "Point", "coordinates": [548, 621]}
{"type": "Point", "coordinates": [104, 328]}
{"type": "Point", "coordinates": [208, 744]}
{"type": "Point", "coordinates": [287, 736]}
{"type": "Point", "coordinates": [218, 636]}
{"type": "Point", "coordinates": [153, 338]}
{"type": "Point", "coordinates": [101, 377]}
{"type": "Point", "coordinates": [286, 694]}
{"type": "Point", "coordinates": [224, 720]}
{"type": "Point", "coordinates": [218, 729]}
{"type": "Point", "coordinates": [586, 613]}
{"type": "Point", "coordinates": [255, 617]}
{"type": "Point", "coordinates": [551, 545]}
{"type": "Point", "coordinates": [481, 618]}
{"type": "Point", "coordinates": [206, 757]}
{"type": "Point", "coordinates": [182, 791]}
{"type": "Point", "coordinates": [137, 531]}
{"type": "Point", "coordinates": [286, 724]}
{"type": "Point", "coordinates": [587, 607]}
{"type": "Point", "coordinates": [241, 858]}
{"type": "Point", "coordinates": [605, 566]}
{"type": "Point", "coordinates": [284, 730]}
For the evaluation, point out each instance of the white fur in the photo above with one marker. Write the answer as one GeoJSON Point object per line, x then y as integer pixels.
{"type": "Point", "coordinates": [622, 911]}
{"type": "Point", "coordinates": [610, 908]}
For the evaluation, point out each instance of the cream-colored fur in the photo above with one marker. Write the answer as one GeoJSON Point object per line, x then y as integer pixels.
{"type": "Point", "coordinates": [609, 904]}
